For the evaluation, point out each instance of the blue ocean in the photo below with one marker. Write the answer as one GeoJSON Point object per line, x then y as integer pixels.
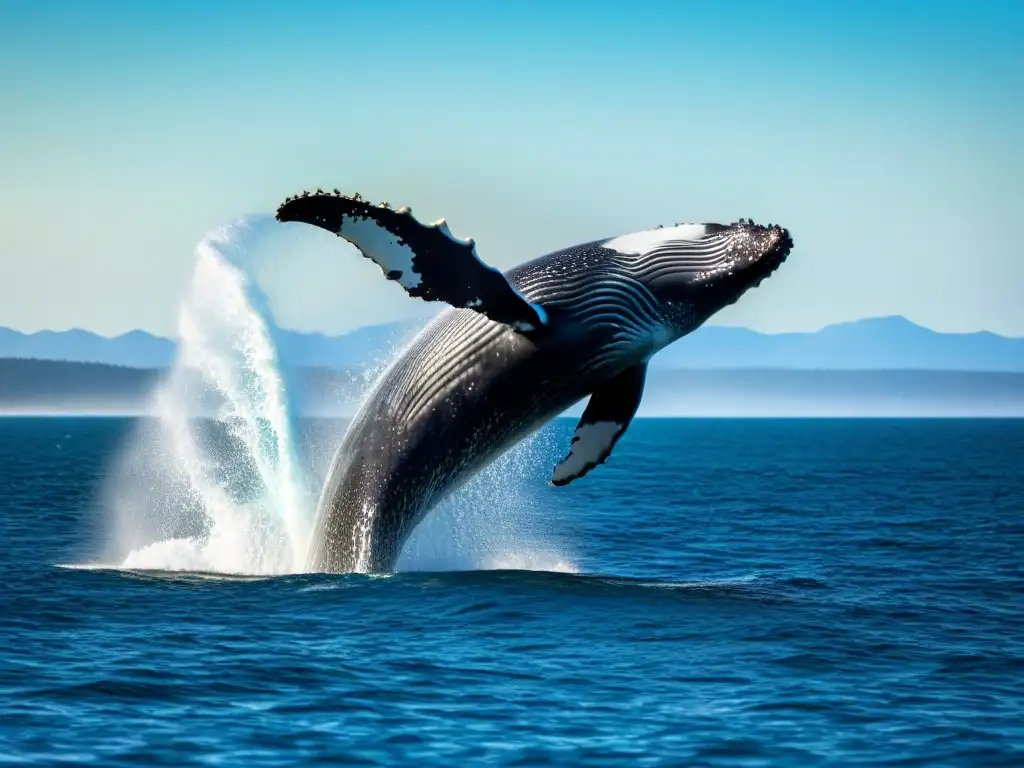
{"type": "Point", "coordinates": [721, 592]}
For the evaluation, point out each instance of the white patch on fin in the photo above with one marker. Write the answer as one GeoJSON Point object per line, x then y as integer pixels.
{"type": "Point", "coordinates": [648, 239]}
{"type": "Point", "coordinates": [382, 247]}
{"type": "Point", "coordinates": [591, 444]}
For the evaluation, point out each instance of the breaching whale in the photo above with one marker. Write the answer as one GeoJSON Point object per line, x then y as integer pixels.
{"type": "Point", "coordinates": [513, 350]}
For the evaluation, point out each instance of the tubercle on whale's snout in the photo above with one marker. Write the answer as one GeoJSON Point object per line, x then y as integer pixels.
{"type": "Point", "coordinates": [775, 256]}
{"type": "Point", "coordinates": [761, 250]}
{"type": "Point", "coordinates": [783, 239]}
{"type": "Point", "coordinates": [767, 228]}
{"type": "Point", "coordinates": [786, 243]}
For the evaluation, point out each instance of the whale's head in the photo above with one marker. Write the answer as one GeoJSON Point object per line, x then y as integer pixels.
{"type": "Point", "coordinates": [694, 270]}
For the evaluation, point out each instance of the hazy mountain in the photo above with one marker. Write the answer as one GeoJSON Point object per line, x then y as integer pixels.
{"type": "Point", "coordinates": [137, 348]}
{"type": "Point", "coordinates": [872, 344]}
{"type": "Point", "coordinates": [877, 343]}
{"type": "Point", "coordinates": [43, 386]}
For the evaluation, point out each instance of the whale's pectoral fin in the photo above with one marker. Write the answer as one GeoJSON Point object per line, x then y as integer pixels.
{"type": "Point", "coordinates": [426, 259]}
{"type": "Point", "coordinates": [605, 419]}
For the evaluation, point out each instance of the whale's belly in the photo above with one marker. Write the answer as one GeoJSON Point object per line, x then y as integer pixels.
{"type": "Point", "coordinates": [465, 390]}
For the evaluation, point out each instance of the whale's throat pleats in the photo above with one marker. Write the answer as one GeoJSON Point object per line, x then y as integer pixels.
{"type": "Point", "coordinates": [427, 260]}
{"type": "Point", "coordinates": [606, 418]}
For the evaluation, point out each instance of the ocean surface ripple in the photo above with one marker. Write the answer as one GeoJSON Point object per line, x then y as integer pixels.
{"type": "Point", "coordinates": [733, 592]}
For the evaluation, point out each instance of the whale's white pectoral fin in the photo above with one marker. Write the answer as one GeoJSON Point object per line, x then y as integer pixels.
{"type": "Point", "coordinates": [605, 419]}
{"type": "Point", "coordinates": [426, 259]}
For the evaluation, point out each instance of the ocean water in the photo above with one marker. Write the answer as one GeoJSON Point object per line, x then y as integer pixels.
{"type": "Point", "coordinates": [721, 592]}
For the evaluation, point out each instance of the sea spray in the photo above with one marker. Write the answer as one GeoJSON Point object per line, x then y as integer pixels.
{"type": "Point", "coordinates": [217, 482]}
{"type": "Point", "coordinates": [499, 520]}
{"type": "Point", "coordinates": [228, 493]}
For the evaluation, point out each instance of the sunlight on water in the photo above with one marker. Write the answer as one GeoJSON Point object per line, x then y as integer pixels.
{"type": "Point", "coordinates": [216, 482]}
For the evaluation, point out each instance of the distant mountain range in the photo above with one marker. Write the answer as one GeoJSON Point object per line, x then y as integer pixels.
{"type": "Point", "coordinates": [887, 343]}
{"type": "Point", "coordinates": [884, 343]}
{"type": "Point", "coordinates": [52, 387]}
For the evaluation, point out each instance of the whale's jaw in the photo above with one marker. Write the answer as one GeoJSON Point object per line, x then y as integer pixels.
{"type": "Point", "coordinates": [693, 271]}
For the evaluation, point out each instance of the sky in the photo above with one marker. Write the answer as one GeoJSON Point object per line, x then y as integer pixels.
{"type": "Point", "coordinates": [885, 135]}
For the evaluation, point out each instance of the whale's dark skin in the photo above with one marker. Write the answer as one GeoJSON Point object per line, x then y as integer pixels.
{"type": "Point", "coordinates": [511, 354]}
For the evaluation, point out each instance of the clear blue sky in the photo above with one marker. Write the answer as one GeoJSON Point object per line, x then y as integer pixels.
{"type": "Point", "coordinates": [886, 135]}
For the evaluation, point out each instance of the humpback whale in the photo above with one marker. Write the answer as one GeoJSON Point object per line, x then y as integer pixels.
{"type": "Point", "coordinates": [510, 352]}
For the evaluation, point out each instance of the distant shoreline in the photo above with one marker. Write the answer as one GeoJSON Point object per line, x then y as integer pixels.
{"type": "Point", "coordinates": [874, 343]}
{"type": "Point", "coordinates": [65, 389]}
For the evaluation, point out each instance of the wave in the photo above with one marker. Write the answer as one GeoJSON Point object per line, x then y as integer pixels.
{"type": "Point", "coordinates": [560, 577]}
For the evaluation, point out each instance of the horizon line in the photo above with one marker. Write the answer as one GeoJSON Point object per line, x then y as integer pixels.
{"type": "Point", "coordinates": [357, 370]}
{"type": "Point", "coordinates": [140, 414]}
{"type": "Point", "coordinates": [426, 319]}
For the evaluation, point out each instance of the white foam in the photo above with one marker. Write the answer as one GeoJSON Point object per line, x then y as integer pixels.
{"type": "Point", "coordinates": [495, 521]}
{"type": "Point", "coordinates": [183, 502]}
{"type": "Point", "coordinates": [550, 562]}
{"type": "Point", "coordinates": [182, 555]}
{"type": "Point", "coordinates": [229, 497]}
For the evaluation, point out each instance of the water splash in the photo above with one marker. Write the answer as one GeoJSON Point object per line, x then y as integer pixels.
{"type": "Point", "coordinates": [500, 520]}
{"type": "Point", "coordinates": [216, 481]}
{"type": "Point", "coordinates": [227, 493]}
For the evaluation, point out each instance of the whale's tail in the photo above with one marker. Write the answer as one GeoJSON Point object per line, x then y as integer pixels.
{"type": "Point", "coordinates": [426, 259]}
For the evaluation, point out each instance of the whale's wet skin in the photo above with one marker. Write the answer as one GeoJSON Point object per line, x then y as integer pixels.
{"type": "Point", "coordinates": [512, 352]}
